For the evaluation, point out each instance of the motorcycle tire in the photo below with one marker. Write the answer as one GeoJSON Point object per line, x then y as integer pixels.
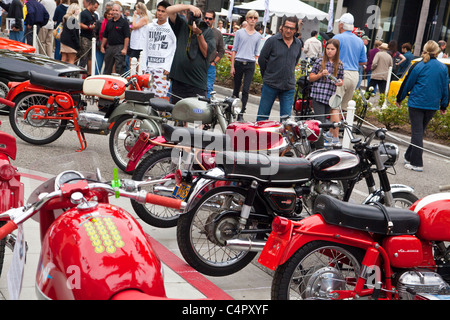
{"type": "Point", "coordinates": [29, 129]}
{"type": "Point", "coordinates": [118, 147]}
{"type": "Point", "coordinates": [154, 166]}
{"type": "Point", "coordinates": [201, 242]}
{"type": "Point", "coordinates": [403, 199]}
{"type": "Point", "coordinates": [316, 269]}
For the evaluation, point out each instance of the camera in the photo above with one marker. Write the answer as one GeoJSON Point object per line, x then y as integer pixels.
{"type": "Point", "coordinates": [198, 21]}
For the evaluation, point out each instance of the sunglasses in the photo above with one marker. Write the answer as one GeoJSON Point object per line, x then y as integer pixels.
{"type": "Point", "coordinates": [208, 18]}
{"type": "Point", "coordinates": [252, 17]}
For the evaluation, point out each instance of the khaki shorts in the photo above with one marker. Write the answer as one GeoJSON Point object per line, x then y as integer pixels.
{"type": "Point", "coordinates": [351, 79]}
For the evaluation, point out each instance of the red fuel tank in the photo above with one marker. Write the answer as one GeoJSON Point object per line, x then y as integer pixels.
{"type": "Point", "coordinates": [95, 253]}
{"type": "Point", "coordinates": [434, 213]}
{"type": "Point", "coordinates": [256, 136]}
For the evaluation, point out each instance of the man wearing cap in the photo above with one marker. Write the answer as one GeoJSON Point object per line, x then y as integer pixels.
{"type": "Point", "coordinates": [380, 68]}
{"type": "Point", "coordinates": [352, 54]}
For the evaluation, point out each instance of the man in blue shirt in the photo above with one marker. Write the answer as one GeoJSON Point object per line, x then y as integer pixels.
{"type": "Point", "coordinates": [352, 54]}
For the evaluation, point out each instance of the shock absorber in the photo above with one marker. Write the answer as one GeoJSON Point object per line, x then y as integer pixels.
{"type": "Point", "coordinates": [245, 211]}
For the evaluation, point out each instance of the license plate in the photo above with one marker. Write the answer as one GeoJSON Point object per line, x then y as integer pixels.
{"type": "Point", "coordinates": [181, 191]}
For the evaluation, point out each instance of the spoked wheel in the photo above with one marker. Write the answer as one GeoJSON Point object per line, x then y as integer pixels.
{"type": "Point", "coordinates": [27, 127]}
{"type": "Point", "coordinates": [157, 166]}
{"type": "Point", "coordinates": [203, 232]}
{"type": "Point", "coordinates": [315, 270]}
{"type": "Point", "coordinates": [124, 135]}
{"type": "Point", "coordinates": [403, 200]}
{"type": "Point", "coordinates": [3, 93]}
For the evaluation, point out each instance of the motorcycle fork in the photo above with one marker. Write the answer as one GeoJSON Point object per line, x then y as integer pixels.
{"type": "Point", "coordinates": [248, 203]}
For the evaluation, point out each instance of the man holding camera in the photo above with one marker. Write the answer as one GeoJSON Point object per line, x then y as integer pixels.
{"type": "Point", "coordinates": [195, 43]}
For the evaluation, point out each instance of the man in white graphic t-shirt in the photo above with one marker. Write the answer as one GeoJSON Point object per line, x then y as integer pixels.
{"type": "Point", "coordinates": [159, 50]}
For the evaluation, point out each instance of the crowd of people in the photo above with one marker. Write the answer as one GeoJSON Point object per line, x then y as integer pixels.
{"type": "Point", "coordinates": [181, 47]}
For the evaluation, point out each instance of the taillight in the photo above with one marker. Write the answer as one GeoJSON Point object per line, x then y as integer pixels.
{"type": "Point", "coordinates": [280, 225]}
{"type": "Point", "coordinates": [7, 172]}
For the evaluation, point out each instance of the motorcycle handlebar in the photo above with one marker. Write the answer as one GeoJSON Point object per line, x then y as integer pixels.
{"type": "Point", "coordinates": [330, 125]}
{"type": "Point", "coordinates": [9, 227]}
{"type": "Point", "coordinates": [444, 188]}
{"type": "Point", "coordinates": [165, 201]}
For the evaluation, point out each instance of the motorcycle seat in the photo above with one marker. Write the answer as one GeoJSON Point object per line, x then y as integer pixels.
{"type": "Point", "coordinates": [365, 217]}
{"type": "Point", "coordinates": [161, 105]}
{"type": "Point", "coordinates": [196, 138]}
{"type": "Point", "coordinates": [139, 96]}
{"type": "Point", "coordinates": [56, 83]}
{"type": "Point", "coordinates": [264, 168]}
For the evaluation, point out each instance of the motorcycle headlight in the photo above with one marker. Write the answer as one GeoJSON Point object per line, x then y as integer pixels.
{"type": "Point", "coordinates": [236, 106]}
{"type": "Point", "coordinates": [389, 154]}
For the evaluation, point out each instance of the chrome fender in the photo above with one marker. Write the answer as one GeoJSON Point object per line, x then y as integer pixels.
{"type": "Point", "coordinates": [395, 188]}
{"type": "Point", "coordinates": [202, 185]}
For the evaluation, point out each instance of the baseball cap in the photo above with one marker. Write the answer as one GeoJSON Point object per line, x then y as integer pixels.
{"type": "Point", "coordinates": [366, 38]}
{"type": "Point", "coordinates": [347, 19]}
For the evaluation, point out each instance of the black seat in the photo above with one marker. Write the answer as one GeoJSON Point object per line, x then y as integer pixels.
{"type": "Point", "coordinates": [56, 83]}
{"type": "Point", "coordinates": [368, 218]}
{"type": "Point", "coordinates": [139, 96]}
{"type": "Point", "coordinates": [196, 138]}
{"type": "Point", "coordinates": [160, 104]}
{"type": "Point", "coordinates": [264, 168]}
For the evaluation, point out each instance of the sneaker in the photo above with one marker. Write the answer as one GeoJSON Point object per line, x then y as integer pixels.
{"type": "Point", "coordinates": [404, 157]}
{"type": "Point", "coordinates": [240, 117]}
{"type": "Point", "coordinates": [413, 168]}
{"type": "Point", "coordinates": [337, 145]}
{"type": "Point", "coordinates": [327, 140]}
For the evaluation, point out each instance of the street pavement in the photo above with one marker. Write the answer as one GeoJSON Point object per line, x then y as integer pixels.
{"type": "Point", "coordinates": [252, 283]}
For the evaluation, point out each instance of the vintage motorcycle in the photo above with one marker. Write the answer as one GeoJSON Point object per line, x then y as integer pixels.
{"type": "Point", "coordinates": [231, 207]}
{"type": "Point", "coordinates": [11, 189]}
{"type": "Point", "coordinates": [91, 249]}
{"type": "Point", "coordinates": [46, 106]}
{"type": "Point", "coordinates": [349, 251]}
{"type": "Point", "coordinates": [195, 150]}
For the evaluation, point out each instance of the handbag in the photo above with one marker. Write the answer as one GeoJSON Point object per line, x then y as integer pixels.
{"type": "Point", "coordinates": [57, 32]}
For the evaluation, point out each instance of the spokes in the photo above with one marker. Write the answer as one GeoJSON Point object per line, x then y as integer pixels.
{"type": "Point", "coordinates": [210, 229]}
{"type": "Point", "coordinates": [322, 271]}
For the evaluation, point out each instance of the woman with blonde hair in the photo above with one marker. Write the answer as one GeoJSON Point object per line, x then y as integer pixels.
{"type": "Point", "coordinates": [70, 36]}
{"type": "Point", "coordinates": [140, 20]}
{"type": "Point", "coordinates": [427, 84]}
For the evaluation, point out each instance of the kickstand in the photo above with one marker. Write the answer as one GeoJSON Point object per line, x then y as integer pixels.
{"type": "Point", "coordinates": [83, 142]}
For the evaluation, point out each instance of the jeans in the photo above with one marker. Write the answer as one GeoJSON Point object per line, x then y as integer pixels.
{"type": "Point", "coordinates": [99, 57]}
{"type": "Point", "coordinates": [419, 119]}
{"type": "Point", "coordinates": [245, 70]}
{"type": "Point", "coordinates": [268, 96]}
{"type": "Point", "coordinates": [58, 54]}
{"type": "Point", "coordinates": [17, 36]}
{"type": "Point", "coordinates": [211, 79]}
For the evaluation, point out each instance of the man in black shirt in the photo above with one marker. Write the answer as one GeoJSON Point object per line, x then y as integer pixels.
{"type": "Point", "coordinates": [116, 38]}
{"type": "Point", "coordinates": [87, 24]}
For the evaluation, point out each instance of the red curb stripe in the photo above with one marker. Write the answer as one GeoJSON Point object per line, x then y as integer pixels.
{"type": "Point", "coordinates": [193, 277]}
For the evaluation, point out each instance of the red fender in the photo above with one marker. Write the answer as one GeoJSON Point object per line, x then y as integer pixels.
{"type": "Point", "coordinates": [140, 148]}
{"type": "Point", "coordinates": [19, 87]}
{"type": "Point", "coordinates": [282, 245]}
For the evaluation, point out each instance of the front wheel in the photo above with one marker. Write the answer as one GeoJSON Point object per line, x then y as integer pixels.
{"type": "Point", "coordinates": [203, 231]}
{"type": "Point", "coordinates": [156, 166]}
{"type": "Point", "coordinates": [317, 269]}
{"type": "Point", "coordinates": [28, 127]}
{"type": "Point", "coordinates": [403, 199]}
{"type": "Point", "coordinates": [124, 134]}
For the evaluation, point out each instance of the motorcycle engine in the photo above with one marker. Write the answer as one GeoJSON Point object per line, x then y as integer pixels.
{"type": "Point", "coordinates": [330, 188]}
{"type": "Point", "coordinates": [413, 282]}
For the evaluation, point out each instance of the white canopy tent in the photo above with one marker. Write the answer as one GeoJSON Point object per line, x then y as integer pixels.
{"type": "Point", "coordinates": [287, 8]}
{"type": "Point", "coordinates": [224, 12]}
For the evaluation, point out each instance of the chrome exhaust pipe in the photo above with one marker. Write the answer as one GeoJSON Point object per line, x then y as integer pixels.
{"type": "Point", "coordinates": [245, 245]}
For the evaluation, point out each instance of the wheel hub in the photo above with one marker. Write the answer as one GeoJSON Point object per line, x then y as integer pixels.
{"type": "Point", "coordinates": [33, 115]}
{"type": "Point", "coordinates": [218, 232]}
{"type": "Point", "coordinates": [323, 281]}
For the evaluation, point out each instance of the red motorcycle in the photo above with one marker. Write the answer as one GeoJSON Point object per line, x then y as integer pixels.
{"type": "Point", "coordinates": [44, 107]}
{"type": "Point", "coordinates": [11, 189]}
{"type": "Point", "coordinates": [90, 249]}
{"type": "Point", "coordinates": [351, 251]}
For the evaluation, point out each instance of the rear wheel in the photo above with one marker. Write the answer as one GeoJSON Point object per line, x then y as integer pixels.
{"type": "Point", "coordinates": [317, 269]}
{"type": "Point", "coordinates": [203, 231]}
{"type": "Point", "coordinates": [24, 123]}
